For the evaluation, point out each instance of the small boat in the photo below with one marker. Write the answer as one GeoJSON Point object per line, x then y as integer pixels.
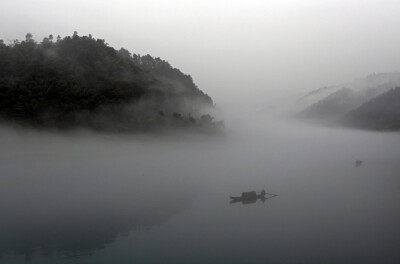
{"type": "Point", "coordinates": [249, 196]}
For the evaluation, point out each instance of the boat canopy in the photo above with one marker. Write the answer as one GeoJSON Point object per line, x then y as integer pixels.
{"type": "Point", "coordinates": [249, 195]}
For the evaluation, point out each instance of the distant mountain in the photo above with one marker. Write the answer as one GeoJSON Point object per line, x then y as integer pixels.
{"type": "Point", "coordinates": [380, 82]}
{"type": "Point", "coordinates": [334, 105]}
{"type": "Point", "coordinates": [380, 113]}
{"type": "Point", "coordinates": [79, 81]}
{"type": "Point", "coordinates": [342, 100]}
{"type": "Point", "coordinates": [315, 96]}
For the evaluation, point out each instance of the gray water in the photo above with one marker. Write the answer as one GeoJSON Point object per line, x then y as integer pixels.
{"type": "Point", "coordinates": [87, 198]}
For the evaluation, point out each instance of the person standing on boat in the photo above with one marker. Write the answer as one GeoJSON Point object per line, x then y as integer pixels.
{"type": "Point", "coordinates": [263, 193]}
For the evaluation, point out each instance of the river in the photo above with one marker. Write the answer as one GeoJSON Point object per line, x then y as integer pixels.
{"type": "Point", "coordinates": [104, 198]}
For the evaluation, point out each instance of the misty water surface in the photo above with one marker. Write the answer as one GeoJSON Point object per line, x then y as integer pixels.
{"type": "Point", "coordinates": [100, 198]}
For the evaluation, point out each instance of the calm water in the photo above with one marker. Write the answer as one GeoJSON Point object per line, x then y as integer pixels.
{"type": "Point", "coordinates": [86, 198]}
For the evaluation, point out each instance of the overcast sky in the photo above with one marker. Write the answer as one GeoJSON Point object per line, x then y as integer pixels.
{"type": "Point", "coordinates": [236, 51]}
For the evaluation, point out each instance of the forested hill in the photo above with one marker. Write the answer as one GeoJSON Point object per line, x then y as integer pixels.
{"type": "Point", "coordinates": [348, 105]}
{"type": "Point", "coordinates": [81, 81]}
{"type": "Point", "coordinates": [380, 113]}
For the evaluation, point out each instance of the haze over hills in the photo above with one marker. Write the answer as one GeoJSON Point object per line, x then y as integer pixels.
{"type": "Point", "coordinates": [80, 81]}
{"type": "Point", "coordinates": [340, 101]}
{"type": "Point", "coordinates": [374, 83]}
{"type": "Point", "coordinates": [380, 113]}
{"type": "Point", "coordinates": [333, 106]}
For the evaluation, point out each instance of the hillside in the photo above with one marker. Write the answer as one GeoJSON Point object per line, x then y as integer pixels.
{"type": "Point", "coordinates": [331, 107]}
{"type": "Point", "coordinates": [79, 81]}
{"type": "Point", "coordinates": [381, 82]}
{"type": "Point", "coordinates": [340, 101]}
{"type": "Point", "coordinates": [380, 113]}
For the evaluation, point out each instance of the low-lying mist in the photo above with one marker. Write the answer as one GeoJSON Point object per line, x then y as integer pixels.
{"type": "Point", "coordinates": [77, 192]}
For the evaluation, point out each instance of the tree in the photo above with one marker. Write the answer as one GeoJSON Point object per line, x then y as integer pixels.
{"type": "Point", "coordinates": [29, 37]}
{"type": "Point", "coordinates": [81, 81]}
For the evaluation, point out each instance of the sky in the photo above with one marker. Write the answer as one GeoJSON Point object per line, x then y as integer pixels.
{"type": "Point", "coordinates": [248, 52]}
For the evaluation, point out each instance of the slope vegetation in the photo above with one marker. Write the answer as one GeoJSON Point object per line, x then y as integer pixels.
{"type": "Point", "coordinates": [79, 81]}
{"type": "Point", "coordinates": [380, 113]}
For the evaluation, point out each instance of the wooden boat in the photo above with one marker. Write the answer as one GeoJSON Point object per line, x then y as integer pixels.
{"type": "Point", "coordinates": [249, 196]}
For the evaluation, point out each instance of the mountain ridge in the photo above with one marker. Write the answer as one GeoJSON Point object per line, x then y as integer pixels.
{"type": "Point", "coordinates": [334, 106]}
{"type": "Point", "coordinates": [79, 81]}
{"type": "Point", "coordinates": [380, 113]}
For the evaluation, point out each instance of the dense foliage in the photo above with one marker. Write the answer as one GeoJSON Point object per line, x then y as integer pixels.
{"type": "Point", "coordinates": [81, 81]}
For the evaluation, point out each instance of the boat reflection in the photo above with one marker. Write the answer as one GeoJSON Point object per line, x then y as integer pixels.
{"type": "Point", "coordinates": [251, 197]}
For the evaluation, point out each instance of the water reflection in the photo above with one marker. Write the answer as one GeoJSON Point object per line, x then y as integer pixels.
{"type": "Point", "coordinates": [358, 163]}
{"type": "Point", "coordinates": [67, 200]}
{"type": "Point", "coordinates": [253, 199]}
{"type": "Point", "coordinates": [74, 223]}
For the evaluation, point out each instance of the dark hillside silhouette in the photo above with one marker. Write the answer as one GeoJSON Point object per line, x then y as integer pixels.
{"type": "Point", "coordinates": [81, 81]}
{"type": "Point", "coordinates": [380, 113]}
{"type": "Point", "coordinates": [371, 103]}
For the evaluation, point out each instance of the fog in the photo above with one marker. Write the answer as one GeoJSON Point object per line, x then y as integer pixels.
{"type": "Point", "coordinates": [239, 52]}
{"type": "Point", "coordinates": [96, 198]}
{"type": "Point", "coordinates": [84, 197]}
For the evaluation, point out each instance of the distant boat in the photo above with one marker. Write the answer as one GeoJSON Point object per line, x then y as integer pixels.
{"type": "Point", "coordinates": [358, 163]}
{"type": "Point", "coordinates": [249, 196]}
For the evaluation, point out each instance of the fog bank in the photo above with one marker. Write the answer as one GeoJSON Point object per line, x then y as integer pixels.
{"type": "Point", "coordinates": [102, 186]}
